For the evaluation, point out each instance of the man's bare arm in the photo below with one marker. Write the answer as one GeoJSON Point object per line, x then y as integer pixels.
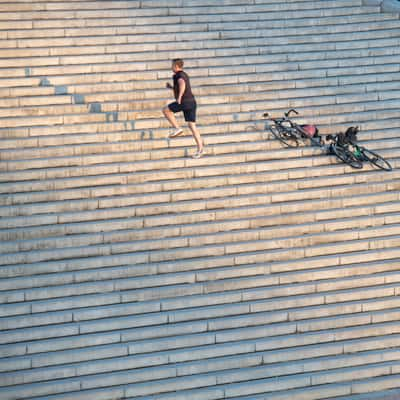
{"type": "Point", "coordinates": [182, 87]}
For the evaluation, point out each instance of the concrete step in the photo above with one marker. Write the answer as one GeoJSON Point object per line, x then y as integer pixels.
{"type": "Point", "coordinates": [215, 366]}
{"type": "Point", "coordinates": [114, 72]}
{"type": "Point", "coordinates": [319, 392]}
{"type": "Point", "coordinates": [217, 295]}
{"type": "Point", "coordinates": [317, 97]}
{"type": "Point", "coordinates": [116, 22]}
{"type": "Point", "coordinates": [138, 207]}
{"type": "Point", "coordinates": [131, 9]}
{"type": "Point", "coordinates": [103, 144]}
{"type": "Point", "coordinates": [265, 382]}
{"type": "Point", "coordinates": [388, 394]}
{"type": "Point", "coordinates": [198, 57]}
{"type": "Point", "coordinates": [216, 261]}
{"type": "Point", "coordinates": [194, 334]}
{"type": "Point", "coordinates": [45, 306]}
{"type": "Point", "coordinates": [225, 124]}
{"type": "Point", "coordinates": [368, 205]}
{"type": "Point", "coordinates": [183, 190]}
{"type": "Point", "coordinates": [136, 119]}
{"type": "Point", "coordinates": [199, 343]}
{"type": "Point", "coordinates": [207, 32]}
{"type": "Point", "coordinates": [344, 9]}
{"type": "Point", "coordinates": [131, 271]}
{"type": "Point", "coordinates": [266, 318]}
{"type": "Point", "coordinates": [210, 39]}
{"type": "Point", "coordinates": [227, 93]}
{"type": "Point", "coordinates": [48, 61]}
{"type": "Point", "coordinates": [138, 277]}
{"type": "Point", "coordinates": [88, 142]}
{"type": "Point", "coordinates": [86, 282]}
{"type": "Point", "coordinates": [70, 164]}
{"type": "Point", "coordinates": [40, 239]}
{"type": "Point", "coordinates": [182, 24]}
{"type": "Point", "coordinates": [58, 161]}
{"type": "Point", "coordinates": [183, 249]}
{"type": "Point", "coordinates": [180, 284]}
{"type": "Point", "coordinates": [129, 86]}
{"type": "Point", "coordinates": [182, 168]}
{"type": "Point", "coordinates": [146, 122]}
{"type": "Point", "coordinates": [44, 223]}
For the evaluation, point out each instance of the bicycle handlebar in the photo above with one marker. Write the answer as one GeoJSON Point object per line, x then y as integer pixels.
{"type": "Point", "coordinates": [291, 110]}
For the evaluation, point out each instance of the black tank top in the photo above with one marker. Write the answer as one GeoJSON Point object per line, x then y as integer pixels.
{"type": "Point", "coordinates": [188, 96]}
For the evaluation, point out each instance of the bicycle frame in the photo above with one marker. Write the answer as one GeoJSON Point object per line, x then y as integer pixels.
{"type": "Point", "coordinates": [343, 152]}
{"type": "Point", "coordinates": [282, 120]}
{"type": "Point", "coordinates": [291, 130]}
{"type": "Point", "coordinates": [363, 154]}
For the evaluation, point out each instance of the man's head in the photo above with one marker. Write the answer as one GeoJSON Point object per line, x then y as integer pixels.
{"type": "Point", "coordinates": [177, 64]}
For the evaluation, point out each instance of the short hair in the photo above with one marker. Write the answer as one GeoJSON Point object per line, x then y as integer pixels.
{"type": "Point", "coordinates": [178, 62]}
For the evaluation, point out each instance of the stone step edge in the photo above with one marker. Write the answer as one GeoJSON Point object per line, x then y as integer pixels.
{"type": "Point", "coordinates": [218, 323]}
{"type": "Point", "coordinates": [97, 197]}
{"type": "Point", "coordinates": [379, 328]}
{"type": "Point", "coordinates": [115, 175]}
{"type": "Point", "coordinates": [151, 120]}
{"type": "Point", "coordinates": [258, 300]}
{"type": "Point", "coordinates": [254, 116]}
{"type": "Point", "coordinates": [231, 249]}
{"type": "Point", "coordinates": [26, 16]}
{"type": "Point", "coordinates": [36, 69]}
{"type": "Point", "coordinates": [205, 101]}
{"type": "Point", "coordinates": [113, 145]}
{"type": "Point", "coordinates": [114, 137]}
{"type": "Point", "coordinates": [85, 283]}
{"type": "Point", "coordinates": [366, 291]}
{"type": "Point", "coordinates": [251, 89]}
{"type": "Point", "coordinates": [174, 239]}
{"type": "Point", "coordinates": [148, 159]}
{"type": "Point", "coordinates": [42, 221]}
{"type": "Point", "coordinates": [373, 388]}
{"type": "Point", "coordinates": [212, 35]}
{"type": "Point", "coordinates": [307, 351]}
{"type": "Point", "coordinates": [121, 274]}
{"type": "Point", "coordinates": [61, 90]}
{"type": "Point", "coordinates": [151, 75]}
{"type": "Point", "coordinates": [198, 184]}
{"type": "Point", "coordinates": [250, 368]}
{"type": "Point", "coordinates": [62, 216]}
{"type": "Point", "coordinates": [212, 100]}
{"type": "Point", "coordinates": [171, 384]}
{"type": "Point", "coordinates": [201, 26]}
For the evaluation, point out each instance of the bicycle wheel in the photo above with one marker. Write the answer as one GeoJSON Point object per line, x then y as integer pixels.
{"type": "Point", "coordinates": [284, 135]}
{"type": "Point", "coordinates": [376, 159]}
{"type": "Point", "coordinates": [346, 156]}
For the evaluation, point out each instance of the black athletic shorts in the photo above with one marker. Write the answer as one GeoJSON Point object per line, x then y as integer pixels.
{"type": "Point", "coordinates": [189, 110]}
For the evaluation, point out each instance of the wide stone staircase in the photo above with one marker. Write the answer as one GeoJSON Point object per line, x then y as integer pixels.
{"type": "Point", "coordinates": [129, 270]}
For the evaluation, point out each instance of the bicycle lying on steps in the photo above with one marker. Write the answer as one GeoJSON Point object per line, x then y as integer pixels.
{"type": "Point", "coordinates": [290, 133]}
{"type": "Point", "coordinates": [345, 147]}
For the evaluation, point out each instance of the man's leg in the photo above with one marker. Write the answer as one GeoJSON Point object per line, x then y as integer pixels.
{"type": "Point", "coordinates": [170, 117]}
{"type": "Point", "coordinates": [196, 135]}
{"type": "Point", "coordinates": [172, 120]}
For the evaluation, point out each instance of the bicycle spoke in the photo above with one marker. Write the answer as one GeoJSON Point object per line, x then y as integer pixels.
{"type": "Point", "coordinates": [376, 159]}
{"type": "Point", "coordinates": [346, 156]}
